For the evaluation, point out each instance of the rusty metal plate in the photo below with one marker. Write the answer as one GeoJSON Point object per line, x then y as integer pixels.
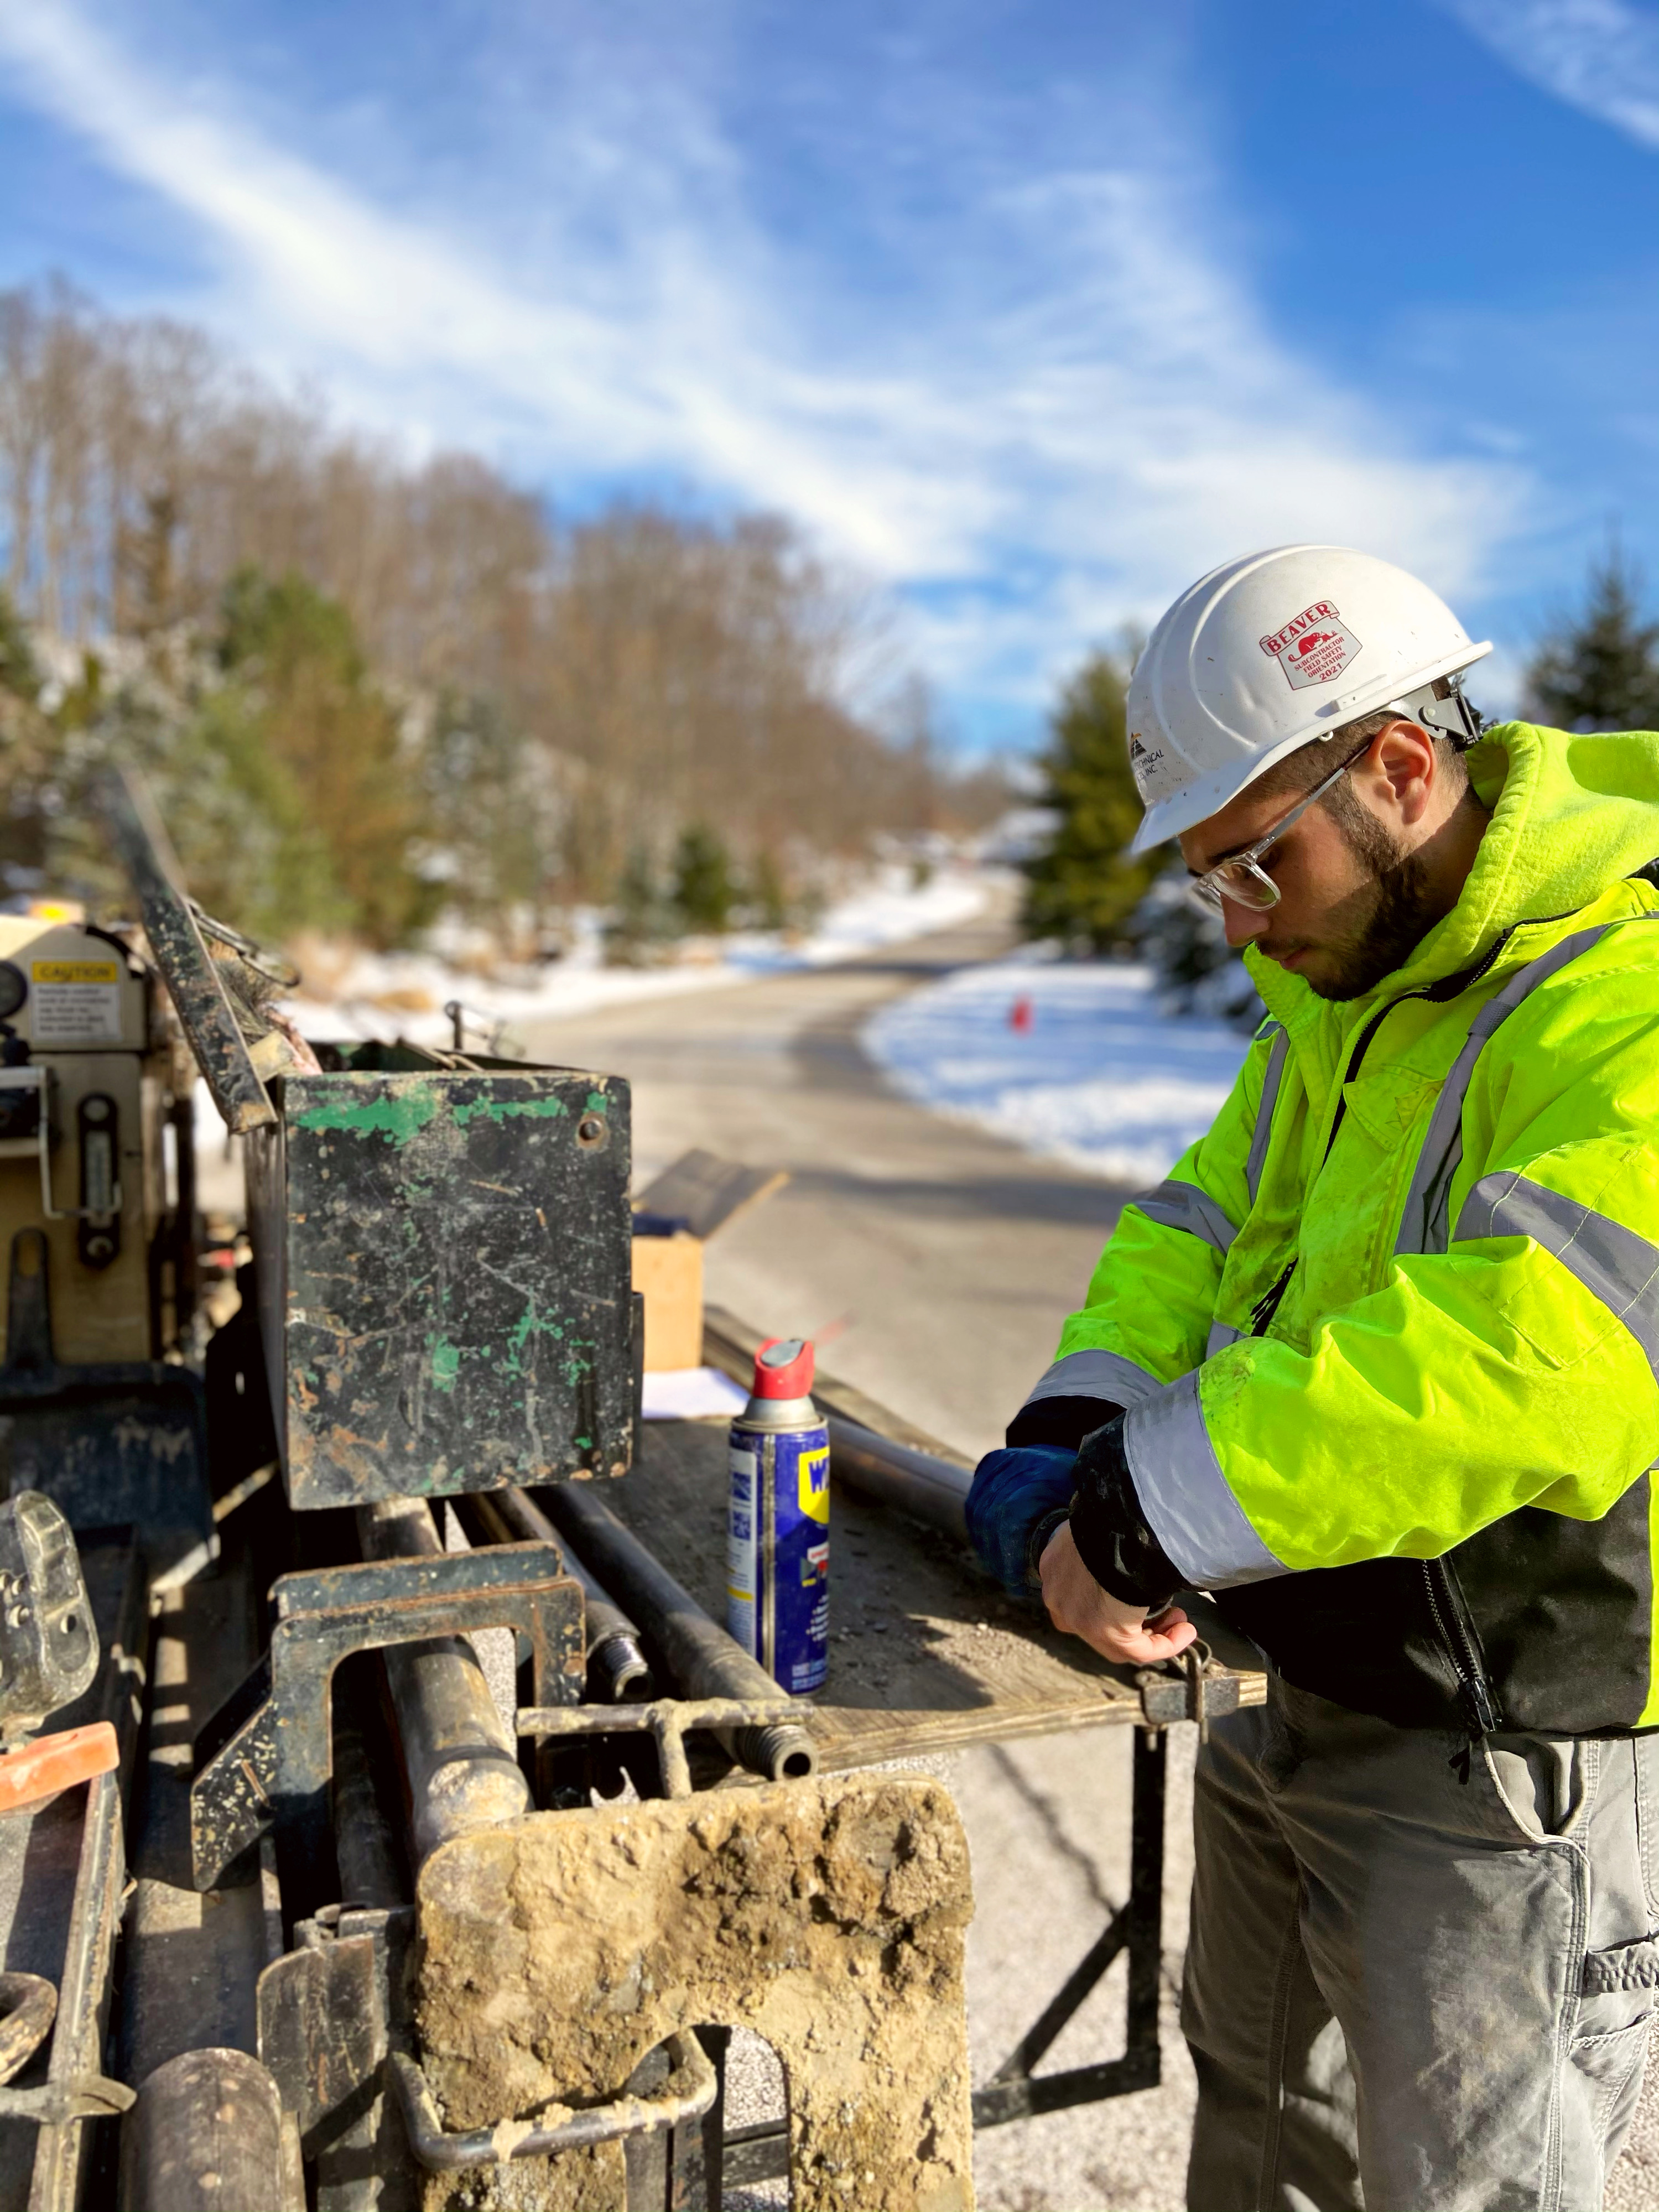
{"type": "Point", "coordinates": [444, 1269]}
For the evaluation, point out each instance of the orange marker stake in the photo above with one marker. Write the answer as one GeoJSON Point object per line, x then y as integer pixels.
{"type": "Point", "coordinates": [56, 1762]}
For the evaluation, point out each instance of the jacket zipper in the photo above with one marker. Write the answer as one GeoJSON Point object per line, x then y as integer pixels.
{"type": "Point", "coordinates": [1265, 1307]}
{"type": "Point", "coordinates": [1262, 1313]}
{"type": "Point", "coordinates": [1456, 1630]}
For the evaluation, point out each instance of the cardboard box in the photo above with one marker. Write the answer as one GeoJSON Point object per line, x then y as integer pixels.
{"type": "Point", "coordinates": [673, 1219]}
{"type": "Point", "coordinates": [669, 1271]}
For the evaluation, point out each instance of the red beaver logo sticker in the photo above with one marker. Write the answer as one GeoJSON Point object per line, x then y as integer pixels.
{"type": "Point", "coordinates": [1314, 648]}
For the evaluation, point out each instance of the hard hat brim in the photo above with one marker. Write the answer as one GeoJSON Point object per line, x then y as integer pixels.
{"type": "Point", "coordinates": [1195, 802]}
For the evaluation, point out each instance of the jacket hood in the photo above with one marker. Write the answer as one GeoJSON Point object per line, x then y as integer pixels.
{"type": "Point", "coordinates": [1572, 814]}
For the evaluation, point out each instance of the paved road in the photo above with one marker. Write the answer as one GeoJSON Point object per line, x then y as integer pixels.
{"type": "Point", "coordinates": [933, 1264]}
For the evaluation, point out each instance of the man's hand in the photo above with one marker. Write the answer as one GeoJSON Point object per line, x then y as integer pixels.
{"type": "Point", "coordinates": [1120, 1632]}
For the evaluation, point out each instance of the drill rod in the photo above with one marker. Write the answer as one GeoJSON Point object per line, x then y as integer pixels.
{"type": "Point", "coordinates": [618, 1671]}
{"type": "Point", "coordinates": [700, 1658]}
{"type": "Point", "coordinates": [461, 1759]}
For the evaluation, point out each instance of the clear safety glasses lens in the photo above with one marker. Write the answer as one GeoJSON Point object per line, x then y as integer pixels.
{"type": "Point", "coordinates": [1241, 881]}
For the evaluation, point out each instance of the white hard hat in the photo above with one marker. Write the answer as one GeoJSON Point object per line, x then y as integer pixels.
{"type": "Point", "coordinates": [1266, 652]}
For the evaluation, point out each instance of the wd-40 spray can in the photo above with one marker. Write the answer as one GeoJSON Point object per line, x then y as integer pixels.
{"type": "Point", "coordinates": [777, 1574]}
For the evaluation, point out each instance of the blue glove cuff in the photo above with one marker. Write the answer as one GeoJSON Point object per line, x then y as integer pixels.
{"type": "Point", "coordinates": [1013, 1490]}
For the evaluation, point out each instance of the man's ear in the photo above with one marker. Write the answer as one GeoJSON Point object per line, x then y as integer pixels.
{"type": "Point", "coordinates": [1403, 756]}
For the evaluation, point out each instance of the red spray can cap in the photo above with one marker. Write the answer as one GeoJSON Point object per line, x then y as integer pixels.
{"type": "Point", "coordinates": [783, 1368]}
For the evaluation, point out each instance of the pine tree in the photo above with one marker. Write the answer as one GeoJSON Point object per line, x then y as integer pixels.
{"type": "Point", "coordinates": [769, 896]}
{"type": "Point", "coordinates": [1083, 887]}
{"type": "Point", "coordinates": [1600, 671]}
{"type": "Point", "coordinates": [640, 917]}
{"type": "Point", "coordinates": [292, 655]}
{"type": "Point", "coordinates": [704, 890]}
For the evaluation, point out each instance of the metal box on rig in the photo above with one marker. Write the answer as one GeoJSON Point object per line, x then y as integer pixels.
{"type": "Point", "coordinates": [444, 1274]}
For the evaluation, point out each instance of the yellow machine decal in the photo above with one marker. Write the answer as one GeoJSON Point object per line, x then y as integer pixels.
{"type": "Point", "coordinates": [75, 971]}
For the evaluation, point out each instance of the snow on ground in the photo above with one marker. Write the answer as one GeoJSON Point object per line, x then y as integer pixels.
{"type": "Point", "coordinates": [1068, 1057]}
{"type": "Point", "coordinates": [404, 993]}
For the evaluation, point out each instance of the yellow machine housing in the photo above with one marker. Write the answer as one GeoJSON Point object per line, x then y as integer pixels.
{"type": "Point", "coordinates": [85, 1156]}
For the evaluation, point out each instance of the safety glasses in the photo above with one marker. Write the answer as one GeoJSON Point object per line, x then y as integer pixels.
{"type": "Point", "coordinates": [1241, 878]}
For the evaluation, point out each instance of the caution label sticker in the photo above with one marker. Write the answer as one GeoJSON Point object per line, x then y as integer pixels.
{"type": "Point", "coordinates": [75, 1002]}
{"type": "Point", "coordinates": [1314, 648]}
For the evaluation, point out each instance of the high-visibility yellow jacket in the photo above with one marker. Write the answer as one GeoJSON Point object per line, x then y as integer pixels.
{"type": "Point", "coordinates": [1388, 1336]}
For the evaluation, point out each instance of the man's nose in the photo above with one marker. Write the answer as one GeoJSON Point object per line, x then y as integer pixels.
{"type": "Point", "coordinates": [1244, 924]}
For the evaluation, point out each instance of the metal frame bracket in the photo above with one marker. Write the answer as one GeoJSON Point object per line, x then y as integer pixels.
{"type": "Point", "coordinates": [266, 1758]}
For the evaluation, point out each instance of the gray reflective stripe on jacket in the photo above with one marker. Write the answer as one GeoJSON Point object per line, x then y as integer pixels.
{"type": "Point", "coordinates": [1095, 1374]}
{"type": "Point", "coordinates": [1612, 1262]}
{"type": "Point", "coordinates": [1262, 1134]}
{"type": "Point", "coordinates": [1184, 1495]}
{"type": "Point", "coordinates": [1424, 1226]}
{"type": "Point", "coordinates": [1184, 1205]}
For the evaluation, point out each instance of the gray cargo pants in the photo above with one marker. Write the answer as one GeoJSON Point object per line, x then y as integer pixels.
{"type": "Point", "coordinates": [1422, 1972]}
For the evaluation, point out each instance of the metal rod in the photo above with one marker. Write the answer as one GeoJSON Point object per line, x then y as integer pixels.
{"type": "Point", "coordinates": [666, 1719]}
{"type": "Point", "coordinates": [691, 2089]}
{"type": "Point", "coordinates": [702, 1660]}
{"type": "Point", "coordinates": [461, 1760]}
{"type": "Point", "coordinates": [617, 1670]}
{"type": "Point", "coordinates": [927, 1488]}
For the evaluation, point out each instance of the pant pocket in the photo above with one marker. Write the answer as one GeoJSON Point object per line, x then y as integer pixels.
{"type": "Point", "coordinates": [1608, 2066]}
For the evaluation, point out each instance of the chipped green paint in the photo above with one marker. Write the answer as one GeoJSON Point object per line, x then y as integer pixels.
{"type": "Point", "coordinates": [400, 1114]}
{"type": "Point", "coordinates": [446, 1362]}
{"type": "Point", "coordinates": [598, 1103]}
{"type": "Point", "coordinates": [510, 1109]}
{"type": "Point", "coordinates": [529, 1324]}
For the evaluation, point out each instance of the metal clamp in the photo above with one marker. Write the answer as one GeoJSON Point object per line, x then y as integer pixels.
{"type": "Point", "coordinates": [1193, 1687]}
{"type": "Point", "coordinates": [556, 2127]}
{"type": "Point", "coordinates": [666, 1719]}
{"type": "Point", "coordinates": [266, 1755]}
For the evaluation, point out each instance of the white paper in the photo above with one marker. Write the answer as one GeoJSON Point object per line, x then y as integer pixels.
{"type": "Point", "coordinates": [687, 1393]}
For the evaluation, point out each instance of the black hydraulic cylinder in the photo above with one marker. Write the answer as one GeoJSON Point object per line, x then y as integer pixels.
{"type": "Point", "coordinates": [461, 1759]}
{"type": "Point", "coordinates": [700, 1658]}
{"type": "Point", "coordinates": [618, 1670]}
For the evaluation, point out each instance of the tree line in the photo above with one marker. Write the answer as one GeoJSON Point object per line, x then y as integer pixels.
{"type": "Point", "coordinates": [370, 688]}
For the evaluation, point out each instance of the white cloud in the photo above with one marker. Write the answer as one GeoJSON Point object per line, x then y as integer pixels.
{"type": "Point", "coordinates": [1046, 416]}
{"type": "Point", "coordinates": [1602, 56]}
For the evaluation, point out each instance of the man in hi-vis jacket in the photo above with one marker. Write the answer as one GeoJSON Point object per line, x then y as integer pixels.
{"type": "Point", "coordinates": [1375, 1368]}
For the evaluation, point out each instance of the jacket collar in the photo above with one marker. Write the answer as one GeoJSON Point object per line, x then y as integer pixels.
{"type": "Point", "coordinates": [1571, 814]}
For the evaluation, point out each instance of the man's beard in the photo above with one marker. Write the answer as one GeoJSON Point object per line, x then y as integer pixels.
{"type": "Point", "coordinates": [1401, 916]}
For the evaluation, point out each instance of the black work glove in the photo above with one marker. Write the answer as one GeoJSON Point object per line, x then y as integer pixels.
{"type": "Point", "coordinates": [1109, 1529]}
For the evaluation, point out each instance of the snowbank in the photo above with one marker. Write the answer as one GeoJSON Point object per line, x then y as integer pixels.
{"type": "Point", "coordinates": [1068, 1057]}
{"type": "Point", "coordinates": [392, 994]}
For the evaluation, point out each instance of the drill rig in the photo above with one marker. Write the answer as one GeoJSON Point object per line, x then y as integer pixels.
{"type": "Point", "coordinates": [264, 1504]}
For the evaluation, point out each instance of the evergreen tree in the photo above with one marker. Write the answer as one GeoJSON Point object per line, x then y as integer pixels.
{"type": "Point", "coordinates": [640, 917]}
{"type": "Point", "coordinates": [1083, 887]}
{"type": "Point", "coordinates": [20, 678]}
{"type": "Point", "coordinates": [769, 896]}
{"type": "Point", "coordinates": [292, 659]}
{"type": "Point", "coordinates": [704, 890]}
{"type": "Point", "coordinates": [1600, 671]}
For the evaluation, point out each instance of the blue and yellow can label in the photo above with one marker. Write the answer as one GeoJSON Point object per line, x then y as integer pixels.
{"type": "Point", "coordinates": [777, 1555]}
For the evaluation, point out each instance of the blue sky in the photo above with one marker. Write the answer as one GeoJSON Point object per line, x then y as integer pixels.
{"type": "Point", "coordinates": [1031, 311]}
